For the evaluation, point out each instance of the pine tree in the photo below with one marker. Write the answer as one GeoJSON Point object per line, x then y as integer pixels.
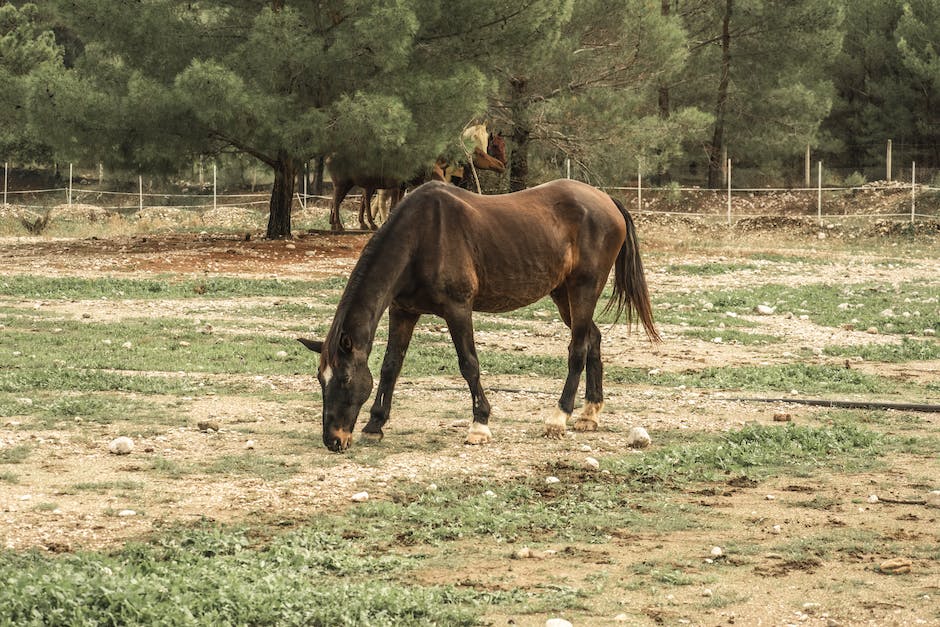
{"type": "Point", "coordinates": [25, 46]}
{"type": "Point", "coordinates": [381, 84]}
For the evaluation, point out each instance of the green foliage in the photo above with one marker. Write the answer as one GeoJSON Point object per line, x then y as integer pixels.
{"type": "Point", "coordinates": [25, 47]}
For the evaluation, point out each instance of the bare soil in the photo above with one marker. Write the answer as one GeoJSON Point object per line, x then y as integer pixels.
{"type": "Point", "coordinates": [424, 443]}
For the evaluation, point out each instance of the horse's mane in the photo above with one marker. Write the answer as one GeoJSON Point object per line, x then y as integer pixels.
{"type": "Point", "coordinates": [369, 258]}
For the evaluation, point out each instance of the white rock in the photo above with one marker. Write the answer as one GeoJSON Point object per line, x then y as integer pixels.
{"type": "Point", "coordinates": [638, 438]}
{"type": "Point", "coordinates": [250, 444]}
{"type": "Point", "coordinates": [360, 497]}
{"type": "Point", "coordinates": [432, 487]}
{"type": "Point", "coordinates": [770, 497]}
{"type": "Point", "coordinates": [127, 345]}
{"type": "Point", "coordinates": [591, 463]}
{"type": "Point", "coordinates": [125, 513]}
{"type": "Point", "coordinates": [586, 448]}
{"type": "Point", "coordinates": [552, 480]}
{"type": "Point", "coordinates": [122, 445]}
{"type": "Point", "coordinates": [489, 494]}
{"type": "Point", "coordinates": [887, 313]}
{"type": "Point", "coordinates": [873, 498]}
{"type": "Point", "coordinates": [764, 310]}
{"type": "Point", "coordinates": [707, 592]}
{"type": "Point", "coordinates": [776, 529]}
{"type": "Point", "coordinates": [621, 618]}
{"type": "Point", "coordinates": [929, 332]}
{"type": "Point", "coordinates": [933, 498]}
{"type": "Point", "coordinates": [557, 622]}
{"type": "Point", "coordinates": [717, 551]}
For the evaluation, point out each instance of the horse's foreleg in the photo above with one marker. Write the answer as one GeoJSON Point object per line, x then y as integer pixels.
{"type": "Point", "coordinates": [461, 332]}
{"type": "Point", "coordinates": [401, 326]}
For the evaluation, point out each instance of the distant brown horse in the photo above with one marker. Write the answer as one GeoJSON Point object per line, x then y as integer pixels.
{"type": "Point", "coordinates": [486, 154]}
{"type": "Point", "coordinates": [450, 252]}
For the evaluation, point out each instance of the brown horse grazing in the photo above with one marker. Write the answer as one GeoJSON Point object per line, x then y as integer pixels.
{"type": "Point", "coordinates": [450, 252]}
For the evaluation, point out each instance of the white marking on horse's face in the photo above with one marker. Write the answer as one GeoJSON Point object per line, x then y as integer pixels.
{"type": "Point", "coordinates": [557, 418]}
{"type": "Point", "coordinates": [326, 374]}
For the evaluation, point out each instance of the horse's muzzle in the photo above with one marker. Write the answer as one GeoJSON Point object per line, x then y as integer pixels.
{"type": "Point", "coordinates": [337, 440]}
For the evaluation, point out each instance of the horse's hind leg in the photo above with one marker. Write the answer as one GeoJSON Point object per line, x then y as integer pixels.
{"type": "Point", "coordinates": [401, 326]}
{"type": "Point", "coordinates": [584, 354]}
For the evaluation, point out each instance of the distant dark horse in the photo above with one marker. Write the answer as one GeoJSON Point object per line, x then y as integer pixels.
{"type": "Point", "coordinates": [450, 252]}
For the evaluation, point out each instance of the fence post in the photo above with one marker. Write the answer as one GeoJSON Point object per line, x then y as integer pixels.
{"type": "Point", "coordinates": [70, 185]}
{"type": "Point", "coordinates": [214, 180]}
{"type": "Point", "coordinates": [729, 191]}
{"type": "Point", "coordinates": [639, 187]}
{"type": "Point", "coordinates": [6, 171]}
{"type": "Point", "coordinates": [888, 161]}
{"type": "Point", "coordinates": [819, 195]}
{"type": "Point", "coordinates": [808, 169]}
{"type": "Point", "coordinates": [140, 193]}
{"type": "Point", "coordinates": [913, 189]}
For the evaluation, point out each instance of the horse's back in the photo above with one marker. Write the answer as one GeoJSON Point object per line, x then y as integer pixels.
{"type": "Point", "coordinates": [506, 251]}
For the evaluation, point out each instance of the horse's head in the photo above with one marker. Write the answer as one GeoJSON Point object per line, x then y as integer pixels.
{"type": "Point", "coordinates": [346, 383]}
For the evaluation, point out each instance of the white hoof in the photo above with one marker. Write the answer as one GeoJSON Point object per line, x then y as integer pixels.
{"type": "Point", "coordinates": [556, 423]}
{"type": "Point", "coordinates": [587, 421]}
{"type": "Point", "coordinates": [478, 434]}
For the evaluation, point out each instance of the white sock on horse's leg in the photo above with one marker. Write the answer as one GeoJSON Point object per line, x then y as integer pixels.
{"type": "Point", "coordinates": [556, 423]}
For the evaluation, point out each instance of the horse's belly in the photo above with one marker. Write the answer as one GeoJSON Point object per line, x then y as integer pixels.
{"type": "Point", "coordinates": [511, 295]}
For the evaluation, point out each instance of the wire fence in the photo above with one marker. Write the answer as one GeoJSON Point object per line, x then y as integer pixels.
{"type": "Point", "coordinates": [898, 200]}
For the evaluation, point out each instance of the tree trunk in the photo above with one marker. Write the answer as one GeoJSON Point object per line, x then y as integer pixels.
{"type": "Point", "coordinates": [714, 150]}
{"type": "Point", "coordinates": [520, 134]}
{"type": "Point", "coordinates": [282, 197]}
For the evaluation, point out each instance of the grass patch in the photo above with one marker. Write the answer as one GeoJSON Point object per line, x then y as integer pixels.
{"type": "Point", "coordinates": [77, 288]}
{"type": "Point", "coordinates": [807, 378]}
{"type": "Point", "coordinates": [103, 487]}
{"type": "Point", "coordinates": [755, 451]}
{"type": "Point", "coordinates": [214, 577]}
{"type": "Point", "coordinates": [908, 350]}
{"type": "Point", "coordinates": [733, 336]}
{"type": "Point", "coordinates": [709, 269]}
{"type": "Point", "coordinates": [267, 468]}
{"type": "Point", "coordinates": [9, 477]}
{"type": "Point", "coordinates": [15, 454]}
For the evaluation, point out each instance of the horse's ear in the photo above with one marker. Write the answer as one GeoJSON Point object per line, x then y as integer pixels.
{"type": "Point", "coordinates": [314, 345]}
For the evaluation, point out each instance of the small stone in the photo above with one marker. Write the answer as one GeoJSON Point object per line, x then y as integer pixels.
{"type": "Point", "coordinates": [184, 343]}
{"type": "Point", "coordinates": [707, 592]}
{"type": "Point", "coordinates": [895, 566]}
{"type": "Point", "coordinates": [125, 513]}
{"type": "Point", "coordinates": [717, 340]}
{"type": "Point", "coordinates": [638, 438]}
{"type": "Point", "coordinates": [290, 246]}
{"type": "Point", "coordinates": [770, 497]}
{"type": "Point", "coordinates": [586, 448]}
{"type": "Point", "coordinates": [360, 497]}
{"type": "Point", "coordinates": [873, 498]}
{"type": "Point", "coordinates": [432, 487]}
{"type": "Point", "coordinates": [776, 529]}
{"type": "Point", "coordinates": [127, 345]}
{"type": "Point", "coordinates": [591, 464]}
{"type": "Point", "coordinates": [552, 480]}
{"type": "Point", "coordinates": [121, 446]}
{"type": "Point", "coordinates": [872, 330]}
{"type": "Point", "coordinates": [782, 417]}
{"type": "Point", "coordinates": [933, 498]}
{"type": "Point", "coordinates": [929, 332]}
{"type": "Point", "coordinates": [557, 622]}
{"type": "Point", "coordinates": [764, 310]}
{"type": "Point", "coordinates": [207, 425]}
{"type": "Point", "coordinates": [281, 354]}
{"type": "Point", "coordinates": [621, 618]}
{"type": "Point", "coordinates": [717, 551]}
{"type": "Point", "coordinates": [249, 445]}
{"type": "Point", "coordinates": [887, 313]}
{"type": "Point", "coordinates": [489, 494]}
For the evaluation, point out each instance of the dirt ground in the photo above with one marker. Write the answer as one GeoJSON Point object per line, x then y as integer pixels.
{"type": "Point", "coordinates": [766, 587]}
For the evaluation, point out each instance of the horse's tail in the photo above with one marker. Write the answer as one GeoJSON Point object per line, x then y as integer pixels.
{"type": "Point", "coordinates": [630, 291]}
